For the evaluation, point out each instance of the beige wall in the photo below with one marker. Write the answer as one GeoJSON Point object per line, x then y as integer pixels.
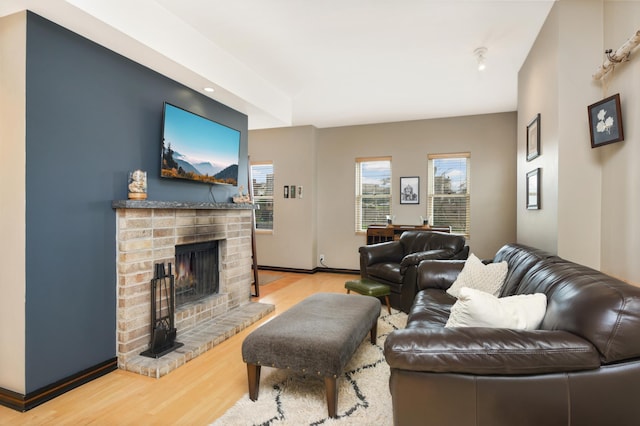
{"type": "Point", "coordinates": [556, 82]}
{"type": "Point", "coordinates": [620, 170]}
{"type": "Point", "coordinates": [491, 139]}
{"type": "Point", "coordinates": [589, 196]}
{"type": "Point", "coordinates": [292, 244]}
{"type": "Point", "coordinates": [579, 192]}
{"type": "Point", "coordinates": [537, 93]}
{"type": "Point", "coordinates": [12, 207]}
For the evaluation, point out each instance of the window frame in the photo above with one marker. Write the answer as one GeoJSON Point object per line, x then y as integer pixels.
{"type": "Point", "coordinates": [431, 196]}
{"type": "Point", "coordinates": [358, 216]}
{"type": "Point", "coordinates": [257, 199]}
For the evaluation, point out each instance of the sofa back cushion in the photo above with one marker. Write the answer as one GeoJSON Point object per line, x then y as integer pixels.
{"type": "Point", "coordinates": [590, 304]}
{"type": "Point", "coordinates": [417, 241]}
{"type": "Point", "coordinates": [520, 259]}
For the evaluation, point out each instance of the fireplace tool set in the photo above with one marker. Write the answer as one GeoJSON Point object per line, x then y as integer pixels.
{"type": "Point", "coordinates": [163, 331]}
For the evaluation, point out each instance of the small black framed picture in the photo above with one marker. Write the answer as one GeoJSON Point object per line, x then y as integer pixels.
{"type": "Point", "coordinates": [533, 138]}
{"type": "Point", "coordinates": [286, 191]}
{"type": "Point", "coordinates": [410, 190]}
{"type": "Point", "coordinates": [605, 121]}
{"type": "Point", "coordinates": [533, 189]}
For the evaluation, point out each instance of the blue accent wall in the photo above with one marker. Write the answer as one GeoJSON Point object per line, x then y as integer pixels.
{"type": "Point", "coordinates": [91, 117]}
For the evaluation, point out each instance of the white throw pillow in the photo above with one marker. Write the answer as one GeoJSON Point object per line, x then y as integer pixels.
{"type": "Point", "coordinates": [475, 308]}
{"type": "Point", "coordinates": [477, 275]}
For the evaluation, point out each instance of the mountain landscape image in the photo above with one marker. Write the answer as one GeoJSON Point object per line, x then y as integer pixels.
{"type": "Point", "coordinates": [176, 165]}
{"type": "Point", "coordinates": [197, 148]}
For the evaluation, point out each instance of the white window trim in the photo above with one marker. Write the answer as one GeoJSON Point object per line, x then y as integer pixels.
{"type": "Point", "coordinates": [256, 198]}
{"type": "Point", "coordinates": [431, 187]}
{"type": "Point", "coordinates": [358, 189]}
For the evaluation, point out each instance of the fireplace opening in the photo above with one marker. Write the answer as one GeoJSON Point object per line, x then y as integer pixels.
{"type": "Point", "coordinates": [196, 271]}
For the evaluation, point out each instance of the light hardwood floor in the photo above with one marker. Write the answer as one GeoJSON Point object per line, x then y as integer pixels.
{"type": "Point", "coordinates": [195, 394]}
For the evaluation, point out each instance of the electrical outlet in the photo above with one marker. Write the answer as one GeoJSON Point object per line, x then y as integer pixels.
{"type": "Point", "coordinates": [321, 258]}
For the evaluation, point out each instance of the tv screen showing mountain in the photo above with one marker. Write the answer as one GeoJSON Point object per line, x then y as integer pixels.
{"type": "Point", "coordinates": [197, 148]}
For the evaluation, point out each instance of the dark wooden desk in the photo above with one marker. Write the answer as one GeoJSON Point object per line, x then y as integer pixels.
{"type": "Point", "coordinates": [383, 233]}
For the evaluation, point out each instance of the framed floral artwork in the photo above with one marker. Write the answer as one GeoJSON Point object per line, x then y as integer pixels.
{"type": "Point", "coordinates": [605, 121]}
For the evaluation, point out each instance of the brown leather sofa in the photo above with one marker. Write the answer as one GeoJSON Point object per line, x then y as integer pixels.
{"type": "Point", "coordinates": [581, 367]}
{"type": "Point", "coordinates": [395, 262]}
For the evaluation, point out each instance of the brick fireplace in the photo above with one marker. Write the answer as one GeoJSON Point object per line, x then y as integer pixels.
{"type": "Point", "coordinates": [147, 234]}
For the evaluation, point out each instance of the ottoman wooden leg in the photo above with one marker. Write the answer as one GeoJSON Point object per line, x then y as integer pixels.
{"type": "Point", "coordinates": [374, 332]}
{"type": "Point", "coordinates": [253, 373]}
{"type": "Point", "coordinates": [332, 396]}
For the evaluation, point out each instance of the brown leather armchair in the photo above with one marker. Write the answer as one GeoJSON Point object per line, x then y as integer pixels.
{"type": "Point", "coordinates": [395, 262]}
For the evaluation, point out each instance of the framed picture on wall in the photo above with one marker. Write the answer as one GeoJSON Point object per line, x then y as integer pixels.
{"type": "Point", "coordinates": [410, 190]}
{"type": "Point", "coordinates": [533, 138]}
{"type": "Point", "coordinates": [605, 121]}
{"type": "Point", "coordinates": [533, 189]}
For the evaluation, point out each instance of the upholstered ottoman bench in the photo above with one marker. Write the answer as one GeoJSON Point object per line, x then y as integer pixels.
{"type": "Point", "coordinates": [317, 336]}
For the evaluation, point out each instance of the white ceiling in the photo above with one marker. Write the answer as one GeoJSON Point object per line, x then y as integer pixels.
{"type": "Point", "coordinates": [323, 63]}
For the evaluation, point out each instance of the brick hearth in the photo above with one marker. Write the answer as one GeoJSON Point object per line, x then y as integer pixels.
{"type": "Point", "coordinates": [147, 233]}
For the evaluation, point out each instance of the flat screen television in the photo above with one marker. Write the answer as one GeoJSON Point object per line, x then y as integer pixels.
{"type": "Point", "coordinates": [198, 149]}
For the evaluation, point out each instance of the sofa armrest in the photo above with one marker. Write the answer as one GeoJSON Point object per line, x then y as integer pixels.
{"type": "Point", "coordinates": [438, 274]}
{"type": "Point", "coordinates": [488, 351]}
{"type": "Point", "coordinates": [390, 251]}
{"type": "Point", "coordinates": [462, 254]}
{"type": "Point", "coordinates": [414, 259]}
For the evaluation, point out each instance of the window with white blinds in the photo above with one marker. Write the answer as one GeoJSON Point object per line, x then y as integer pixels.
{"type": "Point", "coordinates": [449, 191]}
{"type": "Point", "coordinates": [373, 191]}
{"type": "Point", "coordinates": [262, 185]}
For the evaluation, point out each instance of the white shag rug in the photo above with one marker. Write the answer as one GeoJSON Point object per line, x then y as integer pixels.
{"type": "Point", "coordinates": [291, 398]}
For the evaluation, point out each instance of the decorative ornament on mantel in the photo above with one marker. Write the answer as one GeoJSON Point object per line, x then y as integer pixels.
{"type": "Point", "coordinates": [623, 54]}
{"type": "Point", "coordinates": [137, 185]}
{"type": "Point", "coordinates": [241, 198]}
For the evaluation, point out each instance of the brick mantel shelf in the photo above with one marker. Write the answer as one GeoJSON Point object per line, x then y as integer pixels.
{"type": "Point", "coordinates": [190, 205]}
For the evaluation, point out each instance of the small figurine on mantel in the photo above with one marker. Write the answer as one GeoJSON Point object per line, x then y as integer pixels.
{"type": "Point", "coordinates": [138, 185]}
{"type": "Point", "coordinates": [241, 198]}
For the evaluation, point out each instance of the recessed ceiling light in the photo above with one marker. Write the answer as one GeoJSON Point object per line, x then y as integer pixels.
{"type": "Point", "coordinates": [209, 89]}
